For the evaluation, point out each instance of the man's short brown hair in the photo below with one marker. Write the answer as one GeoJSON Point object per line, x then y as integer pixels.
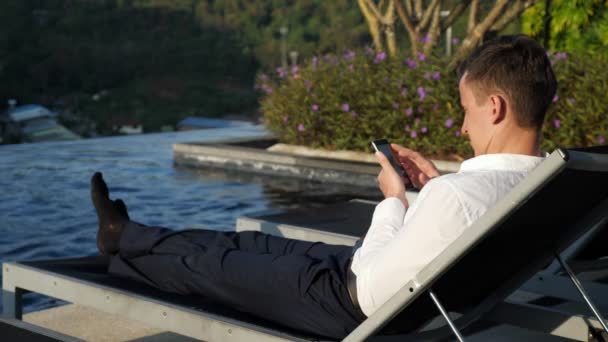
{"type": "Point", "coordinates": [517, 67]}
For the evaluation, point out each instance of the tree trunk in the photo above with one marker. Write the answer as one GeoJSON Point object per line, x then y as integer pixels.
{"type": "Point", "coordinates": [433, 32]}
{"type": "Point", "coordinates": [389, 30]}
{"type": "Point", "coordinates": [373, 23]}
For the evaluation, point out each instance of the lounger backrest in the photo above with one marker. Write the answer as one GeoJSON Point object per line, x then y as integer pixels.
{"type": "Point", "coordinates": [545, 213]}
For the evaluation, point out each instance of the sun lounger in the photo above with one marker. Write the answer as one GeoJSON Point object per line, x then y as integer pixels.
{"type": "Point", "coordinates": [491, 259]}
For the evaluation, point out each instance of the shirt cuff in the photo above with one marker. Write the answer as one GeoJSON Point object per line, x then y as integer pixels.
{"type": "Point", "coordinates": [390, 211]}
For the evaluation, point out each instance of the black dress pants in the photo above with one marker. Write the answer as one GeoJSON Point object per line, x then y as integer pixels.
{"type": "Point", "coordinates": [295, 283]}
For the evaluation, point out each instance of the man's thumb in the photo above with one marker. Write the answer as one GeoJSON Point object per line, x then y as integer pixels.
{"type": "Point", "coordinates": [382, 159]}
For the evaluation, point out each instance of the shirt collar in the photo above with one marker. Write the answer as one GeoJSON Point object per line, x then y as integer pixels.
{"type": "Point", "coordinates": [501, 162]}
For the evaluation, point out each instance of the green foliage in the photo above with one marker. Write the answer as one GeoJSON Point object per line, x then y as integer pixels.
{"type": "Point", "coordinates": [313, 25]}
{"type": "Point", "coordinates": [157, 64]}
{"type": "Point", "coordinates": [579, 115]}
{"type": "Point", "coordinates": [580, 25]}
{"type": "Point", "coordinates": [345, 102]}
{"type": "Point", "coordinates": [307, 105]}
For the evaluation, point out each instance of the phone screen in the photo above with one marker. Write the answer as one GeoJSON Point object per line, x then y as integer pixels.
{"type": "Point", "coordinates": [383, 146]}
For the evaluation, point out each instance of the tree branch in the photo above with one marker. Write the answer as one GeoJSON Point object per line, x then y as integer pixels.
{"type": "Point", "coordinates": [480, 29]}
{"type": "Point", "coordinates": [472, 16]}
{"type": "Point", "coordinates": [389, 29]}
{"type": "Point", "coordinates": [426, 17]}
{"type": "Point", "coordinates": [433, 31]}
{"type": "Point", "coordinates": [512, 13]}
{"type": "Point", "coordinates": [372, 23]}
{"type": "Point", "coordinates": [408, 7]}
{"type": "Point", "coordinates": [418, 9]}
{"type": "Point", "coordinates": [372, 7]}
{"type": "Point", "coordinates": [409, 27]}
{"type": "Point", "coordinates": [455, 12]}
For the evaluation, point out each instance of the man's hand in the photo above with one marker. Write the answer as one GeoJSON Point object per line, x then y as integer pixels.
{"type": "Point", "coordinates": [391, 184]}
{"type": "Point", "coordinates": [418, 168]}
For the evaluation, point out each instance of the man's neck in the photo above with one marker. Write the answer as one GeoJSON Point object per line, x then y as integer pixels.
{"type": "Point", "coordinates": [516, 141]}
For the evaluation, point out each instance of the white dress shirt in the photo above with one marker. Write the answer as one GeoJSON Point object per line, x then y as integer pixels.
{"type": "Point", "coordinates": [400, 242]}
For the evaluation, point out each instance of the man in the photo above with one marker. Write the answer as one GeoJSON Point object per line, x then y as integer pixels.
{"type": "Point", "coordinates": [505, 87]}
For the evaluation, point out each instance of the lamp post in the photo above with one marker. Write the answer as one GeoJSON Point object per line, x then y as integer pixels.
{"type": "Point", "coordinates": [294, 58]}
{"type": "Point", "coordinates": [448, 35]}
{"type": "Point", "coordinates": [283, 30]}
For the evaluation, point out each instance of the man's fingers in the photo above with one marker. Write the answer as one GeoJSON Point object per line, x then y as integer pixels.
{"type": "Point", "coordinates": [383, 160]}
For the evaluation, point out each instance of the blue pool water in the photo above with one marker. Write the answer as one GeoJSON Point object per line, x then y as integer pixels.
{"type": "Point", "coordinates": [45, 208]}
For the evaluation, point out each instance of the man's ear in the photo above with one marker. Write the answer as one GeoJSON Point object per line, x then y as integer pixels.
{"type": "Point", "coordinates": [498, 105]}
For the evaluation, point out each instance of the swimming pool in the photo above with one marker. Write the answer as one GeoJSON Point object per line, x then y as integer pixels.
{"type": "Point", "coordinates": [45, 207]}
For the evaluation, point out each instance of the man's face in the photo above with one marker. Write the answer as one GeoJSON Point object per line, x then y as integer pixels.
{"type": "Point", "coordinates": [477, 124]}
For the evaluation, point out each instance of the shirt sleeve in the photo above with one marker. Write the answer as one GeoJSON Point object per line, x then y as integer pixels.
{"type": "Point", "coordinates": [400, 244]}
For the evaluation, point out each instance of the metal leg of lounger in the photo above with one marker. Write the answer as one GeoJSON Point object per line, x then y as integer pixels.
{"type": "Point", "coordinates": [582, 291]}
{"type": "Point", "coordinates": [12, 303]}
{"type": "Point", "coordinates": [446, 316]}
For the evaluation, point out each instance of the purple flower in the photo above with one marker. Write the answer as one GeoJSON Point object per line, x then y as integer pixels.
{"type": "Point", "coordinates": [380, 57]}
{"type": "Point", "coordinates": [295, 69]}
{"type": "Point", "coordinates": [455, 40]}
{"type": "Point", "coordinates": [457, 134]}
{"type": "Point", "coordinates": [263, 77]}
{"type": "Point", "coordinates": [351, 67]}
{"type": "Point", "coordinates": [555, 98]}
{"type": "Point", "coordinates": [396, 105]}
{"type": "Point", "coordinates": [368, 50]}
{"type": "Point", "coordinates": [353, 114]}
{"type": "Point", "coordinates": [282, 73]}
{"type": "Point", "coordinates": [557, 123]}
{"type": "Point", "coordinates": [314, 107]}
{"type": "Point", "coordinates": [267, 89]}
{"type": "Point", "coordinates": [301, 127]}
{"type": "Point", "coordinates": [417, 121]}
{"type": "Point", "coordinates": [413, 134]}
{"type": "Point", "coordinates": [424, 39]}
{"type": "Point", "coordinates": [403, 91]}
{"type": "Point", "coordinates": [561, 55]}
{"type": "Point", "coordinates": [345, 107]}
{"type": "Point", "coordinates": [285, 119]}
{"type": "Point", "coordinates": [571, 100]}
{"type": "Point", "coordinates": [421, 56]}
{"type": "Point", "coordinates": [307, 85]}
{"type": "Point", "coordinates": [410, 63]}
{"type": "Point", "coordinates": [406, 128]}
{"type": "Point", "coordinates": [435, 107]}
{"type": "Point", "coordinates": [600, 140]}
{"type": "Point", "coordinates": [349, 54]}
{"type": "Point", "coordinates": [427, 75]}
{"type": "Point", "coordinates": [449, 123]}
{"type": "Point", "coordinates": [436, 75]}
{"type": "Point", "coordinates": [421, 93]}
{"type": "Point", "coordinates": [409, 111]}
{"type": "Point", "coordinates": [424, 130]}
{"type": "Point", "coordinates": [315, 61]}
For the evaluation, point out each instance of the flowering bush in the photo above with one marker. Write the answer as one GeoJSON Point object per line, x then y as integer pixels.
{"type": "Point", "coordinates": [344, 102]}
{"type": "Point", "coordinates": [578, 116]}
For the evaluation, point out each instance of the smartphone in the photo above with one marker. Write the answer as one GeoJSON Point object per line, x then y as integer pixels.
{"type": "Point", "coordinates": [382, 145]}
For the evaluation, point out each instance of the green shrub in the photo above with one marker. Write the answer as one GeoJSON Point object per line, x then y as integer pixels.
{"type": "Point", "coordinates": [578, 116]}
{"type": "Point", "coordinates": [344, 102]}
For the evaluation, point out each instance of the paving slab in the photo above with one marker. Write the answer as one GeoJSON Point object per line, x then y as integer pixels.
{"type": "Point", "coordinates": [96, 326]}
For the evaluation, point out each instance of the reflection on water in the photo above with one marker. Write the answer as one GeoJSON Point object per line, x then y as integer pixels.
{"type": "Point", "coordinates": [45, 209]}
